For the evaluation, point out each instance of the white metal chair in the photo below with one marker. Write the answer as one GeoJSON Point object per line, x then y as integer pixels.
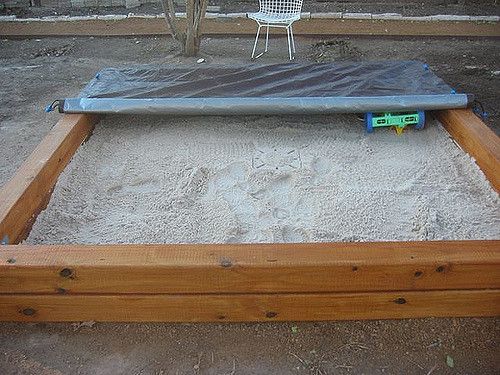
{"type": "Point", "coordinates": [277, 13]}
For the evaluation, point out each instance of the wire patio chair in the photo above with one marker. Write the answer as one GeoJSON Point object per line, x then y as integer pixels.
{"type": "Point", "coordinates": [276, 13]}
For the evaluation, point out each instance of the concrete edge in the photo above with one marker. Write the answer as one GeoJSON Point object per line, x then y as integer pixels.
{"type": "Point", "coordinates": [305, 16]}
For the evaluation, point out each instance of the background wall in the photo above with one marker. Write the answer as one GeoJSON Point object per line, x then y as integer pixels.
{"type": "Point", "coordinates": [223, 3]}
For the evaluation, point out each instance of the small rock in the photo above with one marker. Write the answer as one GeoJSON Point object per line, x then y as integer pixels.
{"type": "Point", "coordinates": [200, 61]}
{"type": "Point", "coordinates": [88, 324]}
{"type": "Point", "coordinates": [449, 361]}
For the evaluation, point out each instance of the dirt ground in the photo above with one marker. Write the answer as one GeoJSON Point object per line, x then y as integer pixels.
{"type": "Point", "coordinates": [35, 72]}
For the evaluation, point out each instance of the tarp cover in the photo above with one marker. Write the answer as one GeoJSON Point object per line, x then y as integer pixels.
{"type": "Point", "coordinates": [266, 89]}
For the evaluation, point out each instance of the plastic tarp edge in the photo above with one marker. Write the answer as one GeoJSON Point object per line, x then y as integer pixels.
{"type": "Point", "coordinates": [265, 106]}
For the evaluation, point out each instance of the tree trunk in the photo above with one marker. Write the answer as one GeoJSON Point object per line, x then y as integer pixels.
{"type": "Point", "coordinates": [189, 38]}
{"type": "Point", "coordinates": [190, 48]}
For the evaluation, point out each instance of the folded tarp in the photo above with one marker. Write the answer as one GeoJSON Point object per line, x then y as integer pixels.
{"type": "Point", "coordinates": [349, 87]}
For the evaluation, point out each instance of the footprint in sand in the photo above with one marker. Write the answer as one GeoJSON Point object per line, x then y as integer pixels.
{"type": "Point", "coordinates": [137, 185]}
{"type": "Point", "coordinates": [277, 159]}
{"type": "Point", "coordinates": [193, 182]}
{"type": "Point", "coordinates": [289, 234]}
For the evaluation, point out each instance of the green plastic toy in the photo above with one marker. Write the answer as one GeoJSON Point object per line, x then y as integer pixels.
{"type": "Point", "coordinates": [399, 120]}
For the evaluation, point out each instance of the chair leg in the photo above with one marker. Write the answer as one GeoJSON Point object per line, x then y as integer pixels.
{"type": "Point", "coordinates": [289, 42]}
{"type": "Point", "coordinates": [267, 38]}
{"type": "Point", "coordinates": [293, 40]}
{"type": "Point", "coordinates": [256, 40]}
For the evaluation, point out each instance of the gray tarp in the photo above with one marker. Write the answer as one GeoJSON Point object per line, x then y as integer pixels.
{"type": "Point", "coordinates": [266, 89]}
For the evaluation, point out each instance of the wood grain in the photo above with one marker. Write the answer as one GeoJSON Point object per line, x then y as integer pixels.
{"type": "Point", "coordinates": [475, 138]}
{"type": "Point", "coordinates": [249, 307]}
{"type": "Point", "coordinates": [28, 191]}
{"type": "Point", "coordinates": [250, 268]}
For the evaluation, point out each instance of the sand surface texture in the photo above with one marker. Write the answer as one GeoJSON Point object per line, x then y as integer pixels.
{"type": "Point", "coordinates": [266, 179]}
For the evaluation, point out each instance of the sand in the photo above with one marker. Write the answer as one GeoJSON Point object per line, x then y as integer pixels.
{"type": "Point", "coordinates": [266, 179]}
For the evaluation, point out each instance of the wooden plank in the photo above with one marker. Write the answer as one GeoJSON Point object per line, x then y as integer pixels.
{"type": "Point", "coordinates": [27, 193]}
{"type": "Point", "coordinates": [244, 26]}
{"type": "Point", "coordinates": [249, 307]}
{"type": "Point", "coordinates": [475, 138]}
{"type": "Point", "coordinates": [250, 268]}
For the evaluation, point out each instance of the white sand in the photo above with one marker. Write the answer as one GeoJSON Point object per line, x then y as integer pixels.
{"type": "Point", "coordinates": [266, 179]}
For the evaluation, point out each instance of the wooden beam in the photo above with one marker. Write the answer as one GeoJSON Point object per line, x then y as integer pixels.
{"type": "Point", "coordinates": [249, 307]}
{"type": "Point", "coordinates": [475, 138]}
{"type": "Point", "coordinates": [251, 268]}
{"type": "Point", "coordinates": [243, 26]}
{"type": "Point", "coordinates": [27, 193]}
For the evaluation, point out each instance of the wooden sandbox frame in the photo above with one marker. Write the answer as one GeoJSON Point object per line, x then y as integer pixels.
{"type": "Point", "coordinates": [237, 282]}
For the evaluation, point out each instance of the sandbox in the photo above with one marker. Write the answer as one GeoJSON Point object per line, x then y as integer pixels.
{"type": "Point", "coordinates": [256, 218]}
{"type": "Point", "coordinates": [354, 279]}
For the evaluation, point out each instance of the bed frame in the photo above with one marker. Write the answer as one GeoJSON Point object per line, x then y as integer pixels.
{"type": "Point", "coordinates": [237, 282]}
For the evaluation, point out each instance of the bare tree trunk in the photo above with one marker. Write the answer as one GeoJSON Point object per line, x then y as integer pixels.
{"type": "Point", "coordinates": [190, 49]}
{"type": "Point", "coordinates": [190, 38]}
